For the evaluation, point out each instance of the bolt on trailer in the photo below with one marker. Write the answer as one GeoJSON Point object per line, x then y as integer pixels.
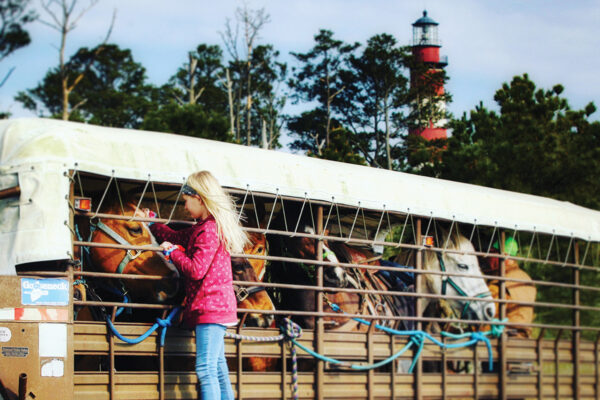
{"type": "Point", "coordinates": [357, 282]}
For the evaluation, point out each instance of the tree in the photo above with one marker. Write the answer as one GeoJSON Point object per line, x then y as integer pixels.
{"type": "Point", "coordinates": [112, 93]}
{"type": "Point", "coordinates": [188, 119]}
{"type": "Point", "coordinates": [64, 20]}
{"type": "Point", "coordinates": [200, 80]}
{"type": "Point", "coordinates": [374, 100]}
{"type": "Point", "coordinates": [535, 144]}
{"type": "Point", "coordinates": [252, 22]}
{"type": "Point", "coordinates": [318, 78]}
{"type": "Point", "coordinates": [307, 129]}
{"type": "Point", "coordinates": [13, 36]}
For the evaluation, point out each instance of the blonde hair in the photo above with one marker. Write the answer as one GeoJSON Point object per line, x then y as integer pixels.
{"type": "Point", "coordinates": [222, 207]}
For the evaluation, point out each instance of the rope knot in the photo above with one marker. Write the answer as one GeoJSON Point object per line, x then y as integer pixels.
{"type": "Point", "coordinates": [478, 337]}
{"type": "Point", "coordinates": [496, 330]}
{"type": "Point", "coordinates": [163, 323]}
{"type": "Point", "coordinates": [291, 329]}
{"type": "Point", "coordinates": [417, 338]}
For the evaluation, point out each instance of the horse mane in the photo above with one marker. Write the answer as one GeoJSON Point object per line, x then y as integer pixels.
{"type": "Point", "coordinates": [341, 251]}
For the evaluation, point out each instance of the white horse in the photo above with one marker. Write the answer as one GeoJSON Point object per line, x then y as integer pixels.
{"type": "Point", "coordinates": [470, 283]}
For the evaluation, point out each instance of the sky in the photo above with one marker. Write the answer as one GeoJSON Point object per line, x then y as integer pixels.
{"type": "Point", "coordinates": [487, 42]}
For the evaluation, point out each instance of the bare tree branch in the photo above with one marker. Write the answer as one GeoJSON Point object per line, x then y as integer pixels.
{"type": "Point", "coordinates": [76, 106]}
{"type": "Point", "coordinates": [65, 24]}
{"type": "Point", "coordinates": [10, 71]}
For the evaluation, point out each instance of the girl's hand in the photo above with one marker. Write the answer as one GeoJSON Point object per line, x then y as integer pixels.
{"type": "Point", "coordinates": [166, 245]}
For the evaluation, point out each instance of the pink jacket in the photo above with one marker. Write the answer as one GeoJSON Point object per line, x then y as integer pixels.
{"type": "Point", "coordinates": [206, 268]}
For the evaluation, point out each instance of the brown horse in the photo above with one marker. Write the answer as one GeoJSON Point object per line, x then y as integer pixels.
{"type": "Point", "coordinates": [129, 262]}
{"type": "Point", "coordinates": [257, 246]}
{"type": "Point", "coordinates": [305, 274]}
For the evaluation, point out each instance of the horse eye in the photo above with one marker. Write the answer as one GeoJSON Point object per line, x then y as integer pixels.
{"type": "Point", "coordinates": [463, 266]}
{"type": "Point", "coordinates": [135, 230]}
{"type": "Point", "coordinates": [260, 249]}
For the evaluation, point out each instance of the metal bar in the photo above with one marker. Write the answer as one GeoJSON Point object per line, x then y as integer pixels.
{"type": "Point", "coordinates": [418, 375]}
{"type": "Point", "coordinates": [393, 368]}
{"type": "Point", "coordinates": [557, 366]}
{"type": "Point", "coordinates": [475, 373]}
{"type": "Point", "coordinates": [161, 366]}
{"type": "Point", "coordinates": [325, 263]}
{"type": "Point", "coordinates": [22, 386]}
{"type": "Point", "coordinates": [540, 360]}
{"type": "Point", "coordinates": [444, 372]}
{"type": "Point", "coordinates": [111, 360]}
{"type": "Point", "coordinates": [320, 326]}
{"type": "Point", "coordinates": [284, 386]}
{"type": "Point", "coordinates": [239, 359]}
{"type": "Point", "coordinates": [117, 304]}
{"type": "Point", "coordinates": [10, 192]}
{"type": "Point", "coordinates": [370, 358]}
{"type": "Point", "coordinates": [324, 314]}
{"type": "Point", "coordinates": [597, 366]}
{"type": "Point", "coordinates": [502, 306]}
{"type": "Point", "coordinates": [352, 241]}
{"type": "Point", "coordinates": [576, 323]}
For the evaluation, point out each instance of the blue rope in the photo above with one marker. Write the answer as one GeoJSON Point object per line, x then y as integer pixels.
{"type": "Point", "coordinates": [418, 337]}
{"type": "Point", "coordinates": [162, 323]}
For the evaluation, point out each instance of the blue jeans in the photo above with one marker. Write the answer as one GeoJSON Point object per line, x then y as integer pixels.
{"type": "Point", "coordinates": [211, 366]}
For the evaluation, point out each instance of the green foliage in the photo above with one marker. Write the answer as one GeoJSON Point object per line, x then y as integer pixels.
{"type": "Point", "coordinates": [536, 144]}
{"type": "Point", "coordinates": [319, 75]}
{"type": "Point", "coordinates": [188, 119]}
{"type": "Point", "coordinates": [319, 78]}
{"type": "Point", "coordinates": [112, 92]}
{"type": "Point", "coordinates": [206, 79]}
{"type": "Point", "coordinates": [13, 36]}
{"type": "Point", "coordinates": [310, 138]}
{"type": "Point", "coordinates": [375, 98]}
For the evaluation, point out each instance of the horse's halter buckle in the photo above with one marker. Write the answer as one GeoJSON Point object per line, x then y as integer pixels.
{"type": "Point", "coordinates": [133, 254]}
{"type": "Point", "coordinates": [241, 293]}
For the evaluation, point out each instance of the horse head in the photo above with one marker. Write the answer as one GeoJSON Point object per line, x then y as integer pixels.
{"type": "Point", "coordinates": [251, 297]}
{"type": "Point", "coordinates": [135, 262]}
{"type": "Point", "coordinates": [257, 246]}
{"type": "Point", "coordinates": [472, 285]}
{"type": "Point", "coordinates": [306, 248]}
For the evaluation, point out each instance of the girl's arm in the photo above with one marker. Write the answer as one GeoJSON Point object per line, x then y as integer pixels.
{"type": "Point", "coordinates": [203, 250]}
{"type": "Point", "coordinates": [163, 233]}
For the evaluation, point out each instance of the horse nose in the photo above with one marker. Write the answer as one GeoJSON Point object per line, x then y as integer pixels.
{"type": "Point", "coordinates": [167, 289]}
{"type": "Point", "coordinates": [489, 311]}
{"type": "Point", "coordinates": [334, 277]}
{"type": "Point", "coordinates": [259, 320]}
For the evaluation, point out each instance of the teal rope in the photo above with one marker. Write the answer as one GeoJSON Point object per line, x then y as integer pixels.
{"type": "Point", "coordinates": [417, 337]}
{"type": "Point", "coordinates": [162, 323]}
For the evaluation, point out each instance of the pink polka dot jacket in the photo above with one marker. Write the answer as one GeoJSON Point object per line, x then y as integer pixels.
{"type": "Point", "coordinates": [206, 267]}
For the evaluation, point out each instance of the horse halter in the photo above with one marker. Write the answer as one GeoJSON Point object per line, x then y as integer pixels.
{"type": "Point", "coordinates": [448, 280]}
{"type": "Point", "coordinates": [242, 292]}
{"type": "Point", "coordinates": [130, 255]}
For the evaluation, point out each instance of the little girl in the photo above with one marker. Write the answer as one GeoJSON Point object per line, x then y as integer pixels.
{"type": "Point", "coordinates": [201, 254]}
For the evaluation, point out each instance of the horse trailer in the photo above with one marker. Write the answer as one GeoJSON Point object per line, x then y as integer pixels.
{"type": "Point", "coordinates": [358, 283]}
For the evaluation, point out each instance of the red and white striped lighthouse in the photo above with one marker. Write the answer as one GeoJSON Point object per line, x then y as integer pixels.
{"type": "Point", "coordinates": [426, 48]}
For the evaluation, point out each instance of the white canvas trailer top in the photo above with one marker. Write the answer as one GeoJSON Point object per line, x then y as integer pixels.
{"type": "Point", "coordinates": [36, 154]}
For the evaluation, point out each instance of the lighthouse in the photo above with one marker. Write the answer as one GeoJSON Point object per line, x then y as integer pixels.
{"type": "Point", "coordinates": [426, 49]}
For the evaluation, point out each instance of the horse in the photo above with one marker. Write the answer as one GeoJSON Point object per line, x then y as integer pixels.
{"type": "Point", "coordinates": [253, 270]}
{"type": "Point", "coordinates": [470, 284]}
{"type": "Point", "coordinates": [254, 297]}
{"type": "Point", "coordinates": [334, 277]}
{"type": "Point", "coordinates": [126, 262]}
